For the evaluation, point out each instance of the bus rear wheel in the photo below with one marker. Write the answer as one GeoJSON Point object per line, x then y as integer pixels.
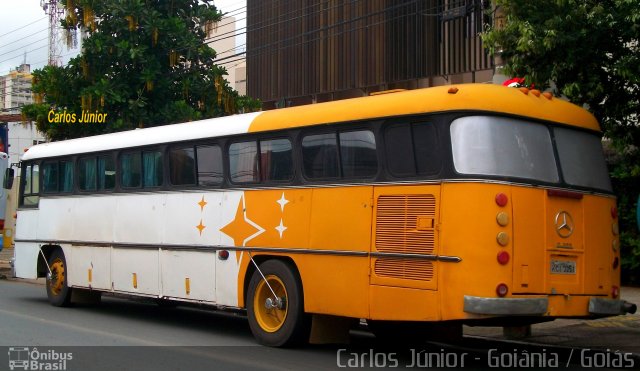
{"type": "Point", "coordinates": [58, 292]}
{"type": "Point", "coordinates": [277, 320]}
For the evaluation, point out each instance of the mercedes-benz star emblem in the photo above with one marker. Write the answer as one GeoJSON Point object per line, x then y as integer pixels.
{"type": "Point", "coordinates": [564, 224]}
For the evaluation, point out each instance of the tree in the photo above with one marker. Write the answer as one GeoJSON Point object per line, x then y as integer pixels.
{"type": "Point", "coordinates": [590, 52]}
{"type": "Point", "coordinates": [143, 63]}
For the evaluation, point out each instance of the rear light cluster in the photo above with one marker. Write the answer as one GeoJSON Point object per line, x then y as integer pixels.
{"type": "Point", "coordinates": [503, 257]}
{"type": "Point", "coordinates": [615, 292]}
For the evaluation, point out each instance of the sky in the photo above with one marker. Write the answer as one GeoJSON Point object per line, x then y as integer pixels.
{"type": "Point", "coordinates": [24, 28]}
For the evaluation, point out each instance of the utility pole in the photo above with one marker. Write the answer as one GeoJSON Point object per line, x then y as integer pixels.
{"type": "Point", "coordinates": [51, 9]}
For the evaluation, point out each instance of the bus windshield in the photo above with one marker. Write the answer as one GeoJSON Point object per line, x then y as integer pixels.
{"type": "Point", "coordinates": [499, 146]}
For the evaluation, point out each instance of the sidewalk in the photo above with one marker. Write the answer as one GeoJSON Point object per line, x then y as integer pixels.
{"type": "Point", "coordinates": [5, 258]}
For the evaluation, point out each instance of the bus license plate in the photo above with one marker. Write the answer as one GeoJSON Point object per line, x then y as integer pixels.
{"type": "Point", "coordinates": [563, 267]}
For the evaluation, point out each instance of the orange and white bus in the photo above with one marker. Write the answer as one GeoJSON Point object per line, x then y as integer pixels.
{"type": "Point", "coordinates": [469, 204]}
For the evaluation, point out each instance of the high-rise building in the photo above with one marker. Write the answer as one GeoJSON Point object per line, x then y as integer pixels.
{"type": "Point", "coordinates": [301, 52]}
{"type": "Point", "coordinates": [222, 39]}
{"type": "Point", "coordinates": [15, 89]}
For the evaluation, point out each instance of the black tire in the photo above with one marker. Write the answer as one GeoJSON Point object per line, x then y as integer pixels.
{"type": "Point", "coordinates": [58, 292]}
{"type": "Point", "coordinates": [277, 327]}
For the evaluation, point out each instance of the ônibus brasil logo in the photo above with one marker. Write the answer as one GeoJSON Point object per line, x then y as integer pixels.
{"type": "Point", "coordinates": [25, 358]}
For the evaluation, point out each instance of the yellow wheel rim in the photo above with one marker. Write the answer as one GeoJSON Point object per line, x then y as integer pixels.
{"type": "Point", "coordinates": [57, 276]}
{"type": "Point", "coordinates": [270, 319]}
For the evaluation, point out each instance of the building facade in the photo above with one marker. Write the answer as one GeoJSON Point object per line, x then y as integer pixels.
{"type": "Point", "coordinates": [222, 38]}
{"type": "Point", "coordinates": [303, 51]}
{"type": "Point", "coordinates": [15, 89]}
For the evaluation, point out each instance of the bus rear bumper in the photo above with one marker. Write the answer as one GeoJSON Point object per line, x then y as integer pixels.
{"type": "Point", "coordinates": [506, 306]}
{"type": "Point", "coordinates": [540, 306]}
{"type": "Point", "coordinates": [602, 306]}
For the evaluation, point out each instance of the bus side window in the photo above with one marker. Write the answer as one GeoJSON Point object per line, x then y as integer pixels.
{"type": "Point", "coordinates": [243, 162]}
{"type": "Point", "coordinates": [182, 166]}
{"type": "Point", "coordinates": [411, 149]}
{"type": "Point", "coordinates": [152, 169]}
{"type": "Point", "coordinates": [87, 174]}
{"type": "Point", "coordinates": [358, 154]}
{"type": "Point", "coordinates": [209, 160]}
{"type": "Point", "coordinates": [320, 156]}
{"type": "Point", "coordinates": [31, 188]}
{"type": "Point", "coordinates": [50, 177]}
{"type": "Point", "coordinates": [276, 160]}
{"type": "Point", "coordinates": [131, 166]}
{"type": "Point", "coordinates": [106, 173]}
{"type": "Point", "coordinates": [66, 176]}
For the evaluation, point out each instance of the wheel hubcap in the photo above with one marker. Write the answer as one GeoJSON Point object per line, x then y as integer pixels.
{"type": "Point", "coordinates": [270, 312]}
{"type": "Point", "coordinates": [57, 276]}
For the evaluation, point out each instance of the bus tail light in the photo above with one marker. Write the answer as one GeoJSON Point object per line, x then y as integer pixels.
{"type": "Point", "coordinates": [502, 289]}
{"type": "Point", "coordinates": [614, 212]}
{"type": "Point", "coordinates": [616, 262]}
{"type": "Point", "coordinates": [503, 257]}
{"type": "Point", "coordinates": [502, 199]}
{"type": "Point", "coordinates": [615, 292]}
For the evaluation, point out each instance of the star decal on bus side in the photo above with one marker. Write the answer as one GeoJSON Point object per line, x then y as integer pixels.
{"type": "Point", "coordinates": [202, 204]}
{"type": "Point", "coordinates": [242, 229]}
{"type": "Point", "coordinates": [281, 228]}
{"type": "Point", "coordinates": [282, 201]}
{"type": "Point", "coordinates": [201, 227]}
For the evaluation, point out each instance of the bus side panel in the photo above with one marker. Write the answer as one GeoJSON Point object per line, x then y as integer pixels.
{"type": "Point", "coordinates": [138, 219]}
{"type": "Point", "coordinates": [333, 240]}
{"type": "Point", "coordinates": [188, 274]}
{"type": "Point", "coordinates": [26, 263]}
{"type": "Point", "coordinates": [469, 230]}
{"type": "Point", "coordinates": [136, 271]}
{"type": "Point", "coordinates": [341, 221]}
{"type": "Point", "coordinates": [92, 217]}
{"type": "Point", "coordinates": [89, 266]}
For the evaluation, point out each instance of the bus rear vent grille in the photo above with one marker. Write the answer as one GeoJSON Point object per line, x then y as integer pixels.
{"type": "Point", "coordinates": [409, 269]}
{"type": "Point", "coordinates": [405, 224]}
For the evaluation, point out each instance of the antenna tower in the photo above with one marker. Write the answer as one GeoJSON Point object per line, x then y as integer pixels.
{"type": "Point", "coordinates": [55, 51]}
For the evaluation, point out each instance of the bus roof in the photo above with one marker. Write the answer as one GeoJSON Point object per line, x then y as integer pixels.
{"type": "Point", "coordinates": [468, 97]}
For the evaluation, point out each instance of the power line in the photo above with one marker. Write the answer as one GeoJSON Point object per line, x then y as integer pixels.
{"type": "Point", "coordinates": [22, 38]}
{"type": "Point", "coordinates": [28, 24]}
{"type": "Point", "coordinates": [23, 46]}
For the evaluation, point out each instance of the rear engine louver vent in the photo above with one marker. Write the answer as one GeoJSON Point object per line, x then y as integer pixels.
{"type": "Point", "coordinates": [405, 224]}
{"type": "Point", "coordinates": [404, 269]}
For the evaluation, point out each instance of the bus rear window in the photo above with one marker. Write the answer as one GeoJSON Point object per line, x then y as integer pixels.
{"type": "Point", "coordinates": [499, 146]}
{"type": "Point", "coordinates": [581, 159]}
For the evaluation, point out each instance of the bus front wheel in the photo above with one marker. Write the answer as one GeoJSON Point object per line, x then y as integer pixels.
{"type": "Point", "coordinates": [277, 320]}
{"type": "Point", "coordinates": [58, 292]}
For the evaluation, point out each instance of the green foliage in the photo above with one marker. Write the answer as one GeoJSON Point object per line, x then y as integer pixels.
{"type": "Point", "coordinates": [590, 50]}
{"type": "Point", "coordinates": [144, 63]}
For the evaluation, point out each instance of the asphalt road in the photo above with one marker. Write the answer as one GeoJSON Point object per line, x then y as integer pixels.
{"type": "Point", "coordinates": [133, 335]}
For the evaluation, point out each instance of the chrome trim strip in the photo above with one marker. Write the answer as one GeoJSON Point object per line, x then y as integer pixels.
{"type": "Point", "coordinates": [442, 258]}
{"type": "Point", "coordinates": [212, 248]}
{"type": "Point", "coordinates": [121, 245]}
{"type": "Point", "coordinates": [506, 306]}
